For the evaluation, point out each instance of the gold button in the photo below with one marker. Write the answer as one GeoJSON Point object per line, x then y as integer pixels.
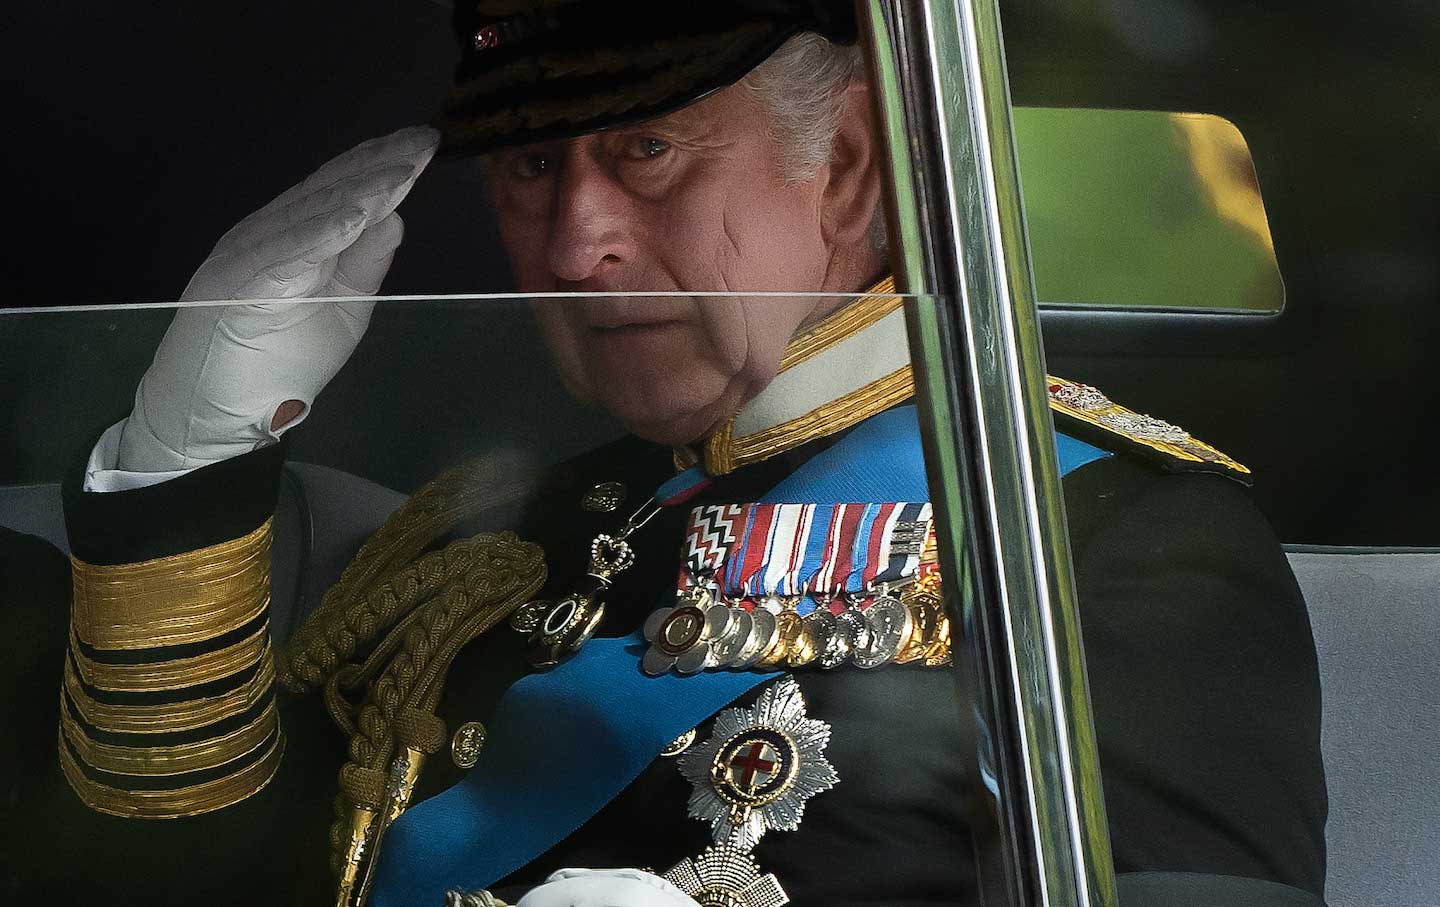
{"type": "Point", "coordinates": [467, 743]}
{"type": "Point", "coordinates": [604, 498]}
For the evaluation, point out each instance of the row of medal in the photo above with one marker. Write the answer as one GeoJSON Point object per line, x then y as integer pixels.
{"type": "Point", "coordinates": [700, 633]}
{"type": "Point", "coordinates": [783, 586]}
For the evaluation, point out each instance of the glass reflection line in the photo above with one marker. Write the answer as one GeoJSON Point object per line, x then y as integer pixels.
{"type": "Point", "coordinates": [429, 297]}
{"type": "Point", "coordinates": [981, 386]}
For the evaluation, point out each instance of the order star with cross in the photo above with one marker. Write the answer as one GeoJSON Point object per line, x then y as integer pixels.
{"type": "Point", "coordinates": [759, 766]}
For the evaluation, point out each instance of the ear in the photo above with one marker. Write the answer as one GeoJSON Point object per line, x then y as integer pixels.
{"type": "Point", "coordinates": [852, 190]}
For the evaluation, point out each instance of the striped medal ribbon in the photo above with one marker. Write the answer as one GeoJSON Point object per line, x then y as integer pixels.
{"type": "Point", "coordinates": [783, 585]}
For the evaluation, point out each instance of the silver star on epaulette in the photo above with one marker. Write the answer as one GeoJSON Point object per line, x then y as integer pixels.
{"type": "Point", "coordinates": [759, 767]}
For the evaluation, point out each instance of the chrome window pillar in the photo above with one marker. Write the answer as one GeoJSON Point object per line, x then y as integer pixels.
{"type": "Point", "coordinates": [958, 235]}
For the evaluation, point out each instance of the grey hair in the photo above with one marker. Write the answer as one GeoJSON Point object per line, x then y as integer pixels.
{"type": "Point", "coordinates": [802, 86]}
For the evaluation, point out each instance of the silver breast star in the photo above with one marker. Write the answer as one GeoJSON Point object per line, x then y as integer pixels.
{"type": "Point", "coordinates": [759, 767]}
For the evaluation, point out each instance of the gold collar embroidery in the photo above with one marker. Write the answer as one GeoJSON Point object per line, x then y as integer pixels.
{"type": "Point", "coordinates": [856, 364]}
{"type": "Point", "coordinates": [843, 370]}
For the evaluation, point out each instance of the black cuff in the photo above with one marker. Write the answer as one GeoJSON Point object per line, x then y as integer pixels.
{"type": "Point", "coordinates": [211, 505]}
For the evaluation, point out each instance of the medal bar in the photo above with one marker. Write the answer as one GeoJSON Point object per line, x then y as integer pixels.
{"type": "Point", "coordinates": [770, 587]}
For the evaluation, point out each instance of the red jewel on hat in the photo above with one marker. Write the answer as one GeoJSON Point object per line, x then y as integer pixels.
{"type": "Point", "coordinates": [487, 38]}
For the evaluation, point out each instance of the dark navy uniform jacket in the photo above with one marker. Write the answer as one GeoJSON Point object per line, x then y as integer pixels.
{"type": "Point", "coordinates": [1201, 665]}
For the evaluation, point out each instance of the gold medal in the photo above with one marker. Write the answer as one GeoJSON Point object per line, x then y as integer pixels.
{"type": "Point", "coordinates": [937, 654]}
{"type": "Point", "coordinates": [804, 648]}
{"type": "Point", "coordinates": [788, 628]}
{"type": "Point", "coordinates": [764, 635]}
{"type": "Point", "coordinates": [923, 618]}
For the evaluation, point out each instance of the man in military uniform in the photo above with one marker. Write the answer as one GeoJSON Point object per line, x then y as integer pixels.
{"type": "Point", "coordinates": [778, 725]}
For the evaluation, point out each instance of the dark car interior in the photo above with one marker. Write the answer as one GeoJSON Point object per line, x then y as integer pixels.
{"type": "Point", "coordinates": [127, 168]}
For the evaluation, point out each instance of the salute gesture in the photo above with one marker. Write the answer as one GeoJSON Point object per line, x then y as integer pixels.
{"type": "Point", "coordinates": [227, 379]}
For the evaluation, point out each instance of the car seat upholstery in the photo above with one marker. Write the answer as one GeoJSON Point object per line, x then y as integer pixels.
{"type": "Point", "coordinates": [1376, 616]}
{"type": "Point", "coordinates": [35, 510]}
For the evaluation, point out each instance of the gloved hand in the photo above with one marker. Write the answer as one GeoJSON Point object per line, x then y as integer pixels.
{"type": "Point", "coordinates": [222, 372]}
{"type": "Point", "coordinates": [605, 888]}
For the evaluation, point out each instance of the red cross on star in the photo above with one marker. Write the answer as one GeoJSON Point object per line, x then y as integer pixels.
{"type": "Point", "coordinates": [757, 759]}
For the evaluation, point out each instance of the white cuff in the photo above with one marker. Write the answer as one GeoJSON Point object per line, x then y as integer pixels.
{"type": "Point", "coordinates": [101, 474]}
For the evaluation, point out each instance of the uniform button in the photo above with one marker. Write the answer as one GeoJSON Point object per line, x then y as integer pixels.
{"type": "Point", "coordinates": [604, 498]}
{"type": "Point", "coordinates": [467, 743]}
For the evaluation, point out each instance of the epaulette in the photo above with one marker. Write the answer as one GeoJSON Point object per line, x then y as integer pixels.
{"type": "Point", "coordinates": [1090, 415]}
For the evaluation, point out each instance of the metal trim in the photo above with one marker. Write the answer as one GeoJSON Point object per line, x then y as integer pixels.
{"type": "Point", "coordinates": [959, 236]}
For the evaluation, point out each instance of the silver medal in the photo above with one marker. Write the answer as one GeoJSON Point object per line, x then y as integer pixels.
{"type": "Point", "coordinates": [890, 627]}
{"type": "Point", "coordinates": [853, 630]}
{"type": "Point", "coordinates": [724, 649]}
{"type": "Point", "coordinates": [718, 620]}
{"type": "Point", "coordinates": [830, 642]}
{"type": "Point", "coordinates": [766, 632]}
{"type": "Point", "coordinates": [680, 637]}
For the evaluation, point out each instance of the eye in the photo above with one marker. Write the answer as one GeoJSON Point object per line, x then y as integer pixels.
{"type": "Point", "coordinates": [645, 148]}
{"type": "Point", "coordinates": [532, 164]}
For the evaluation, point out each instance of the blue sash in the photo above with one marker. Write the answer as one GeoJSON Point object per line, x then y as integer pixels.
{"type": "Point", "coordinates": [564, 743]}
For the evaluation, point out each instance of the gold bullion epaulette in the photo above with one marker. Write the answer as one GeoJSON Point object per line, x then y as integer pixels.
{"type": "Point", "coordinates": [1087, 413]}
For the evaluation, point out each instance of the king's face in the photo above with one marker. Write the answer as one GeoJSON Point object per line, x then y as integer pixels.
{"type": "Point", "coordinates": [691, 202]}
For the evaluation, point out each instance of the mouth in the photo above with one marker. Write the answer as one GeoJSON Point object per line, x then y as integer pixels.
{"type": "Point", "coordinates": [620, 315]}
{"type": "Point", "coordinates": [625, 345]}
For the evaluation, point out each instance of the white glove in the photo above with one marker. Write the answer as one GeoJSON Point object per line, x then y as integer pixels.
{"type": "Point", "coordinates": [605, 888]}
{"type": "Point", "coordinates": [221, 372]}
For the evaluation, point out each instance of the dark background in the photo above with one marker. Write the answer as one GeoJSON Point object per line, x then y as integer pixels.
{"type": "Point", "coordinates": [139, 133]}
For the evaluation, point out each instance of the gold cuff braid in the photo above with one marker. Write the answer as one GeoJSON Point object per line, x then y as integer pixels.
{"type": "Point", "coordinates": [167, 706]}
{"type": "Point", "coordinates": [176, 673]}
{"type": "Point", "coordinates": [185, 598]}
{"type": "Point", "coordinates": [171, 717]}
{"type": "Point", "coordinates": [168, 760]}
{"type": "Point", "coordinates": [172, 804]}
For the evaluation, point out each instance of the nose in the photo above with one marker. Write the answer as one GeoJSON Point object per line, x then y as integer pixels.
{"type": "Point", "coordinates": [593, 221]}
